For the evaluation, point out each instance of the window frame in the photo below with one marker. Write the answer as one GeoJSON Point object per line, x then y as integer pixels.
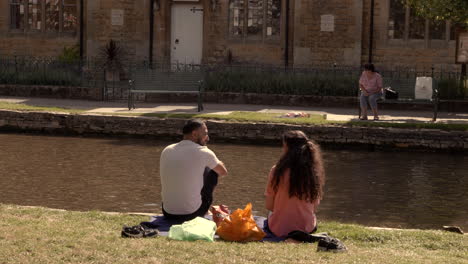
{"type": "Point", "coordinates": [254, 39]}
{"type": "Point", "coordinates": [19, 4]}
{"type": "Point", "coordinates": [406, 39]}
{"type": "Point", "coordinates": [43, 30]}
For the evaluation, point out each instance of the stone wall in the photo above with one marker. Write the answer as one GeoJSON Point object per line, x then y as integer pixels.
{"type": "Point", "coordinates": [341, 46]}
{"type": "Point", "coordinates": [397, 52]}
{"type": "Point", "coordinates": [347, 44]}
{"type": "Point", "coordinates": [238, 132]}
{"type": "Point", "coordinates": [219, 46]}
{"type": "Point", "coordinates": [132, 36]}
{"type": "Point", "coordinates": [31, 43]}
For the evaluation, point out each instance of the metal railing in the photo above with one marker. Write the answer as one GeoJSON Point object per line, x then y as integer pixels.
{"type": "Point", "coordinates": [323, 80]}
{"type": "Point", "coordinates": [320, 80]}
{"type": "Point", "coordinates": [49, 71]}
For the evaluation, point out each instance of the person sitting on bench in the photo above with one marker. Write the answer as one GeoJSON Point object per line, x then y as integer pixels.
{"type": "Point", "coordinates": [371, 88]}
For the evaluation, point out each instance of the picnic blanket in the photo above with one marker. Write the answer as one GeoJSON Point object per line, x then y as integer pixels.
{"type": "Point", "coordinates": [163, 225]}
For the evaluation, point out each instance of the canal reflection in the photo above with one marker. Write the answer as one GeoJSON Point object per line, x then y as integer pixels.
{"type": "Point", "coordinates": [392, 189]}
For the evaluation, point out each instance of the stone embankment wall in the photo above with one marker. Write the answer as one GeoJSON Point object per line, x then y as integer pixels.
{"type": "Point", "coordinates": [429, 139]}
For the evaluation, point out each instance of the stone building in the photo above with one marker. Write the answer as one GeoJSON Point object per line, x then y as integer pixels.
{"type": "Point", "coordinates": [273, 32]}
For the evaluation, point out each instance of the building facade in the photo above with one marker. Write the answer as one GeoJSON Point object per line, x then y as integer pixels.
{"type": "Point", "coordinates": [272, 32]}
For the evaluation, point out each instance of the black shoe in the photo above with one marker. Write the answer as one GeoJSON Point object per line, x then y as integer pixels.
{"type": "Point", "coordinates": [331, 244]}
{"type": "Point", "coordinates": [306, 237]}
{"type": "Point", "coordinates": [139, 231]}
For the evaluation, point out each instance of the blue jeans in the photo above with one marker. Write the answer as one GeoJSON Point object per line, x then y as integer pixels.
{"type": "Point", "coordinates": [372, 99]}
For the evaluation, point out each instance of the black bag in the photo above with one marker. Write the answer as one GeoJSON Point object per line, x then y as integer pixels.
{"type": "Point", "coordinates": [390, 94]}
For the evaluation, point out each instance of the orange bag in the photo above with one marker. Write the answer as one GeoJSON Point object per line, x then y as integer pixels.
{"type": "Point", "coordinates": [240, 226]}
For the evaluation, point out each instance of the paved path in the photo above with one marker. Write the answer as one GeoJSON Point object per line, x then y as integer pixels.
{"type": "Point", "coordinates": [335, 114]}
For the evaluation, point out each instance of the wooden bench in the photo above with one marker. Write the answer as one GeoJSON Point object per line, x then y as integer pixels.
{"type": "Point", "coordinates": [146, 80]}
{"type": "Point", "coordinates": [406, 89]}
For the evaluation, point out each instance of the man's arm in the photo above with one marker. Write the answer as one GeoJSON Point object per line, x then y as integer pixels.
{"type": "Point", "coordinates": [220, 169]}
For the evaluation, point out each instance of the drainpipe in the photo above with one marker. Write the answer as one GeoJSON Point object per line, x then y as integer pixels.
{"type": "Point", "coordinates": [371, 31]}
{"type": "Point", "coordinates": [151, 33]}
{"type": "Point", "coordinates": [81, 29]}
{"type": "Point", "coordinates": [286, 44]}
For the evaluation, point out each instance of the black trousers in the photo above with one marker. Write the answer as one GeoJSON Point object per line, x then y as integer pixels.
{"type": "Point", "coordinates": [210, 180]}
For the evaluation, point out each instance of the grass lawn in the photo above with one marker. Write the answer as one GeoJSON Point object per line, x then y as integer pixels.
{"type": "Point", "coordinates": [25, 107]}
{"type": "Point", "coordinates": [41, 235]}
{"type": "Point", "coordinates": [250, 117]}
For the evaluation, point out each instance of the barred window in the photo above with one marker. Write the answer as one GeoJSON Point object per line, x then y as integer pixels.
{"type": "Point", "coordinates": [236, 14]}
{"type": "Point", "coordinates": [70, 18]}
{"type": "Point", "coordinates": [17, 14]}
{"type": "Point", "coordinates": [44, 15]}
{"type": "Point", "coordinates": [417, 26]}
{"type": "Point", "coordinates": [34, 15]}
{"type": "Point", "coordinates": [403, 23]}
{"type": "Point", "coordinates": [396, 22]}
{"type": "Point", "coordinates": [438, 29]}
{"type": "Point", "coordinates": [273, 18]}
{"type": "Point", "coordinates": [254, 19]}
{"type": "Point", "coordinates": [52, 15]}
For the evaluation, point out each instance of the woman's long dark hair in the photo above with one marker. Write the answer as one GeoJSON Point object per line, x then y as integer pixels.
{"type": "Point", "coordinates": [303, 158]}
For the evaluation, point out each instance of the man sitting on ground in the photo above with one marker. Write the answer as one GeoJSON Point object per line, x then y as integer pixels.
{"type": "Point", "coordinates": [189, 173]}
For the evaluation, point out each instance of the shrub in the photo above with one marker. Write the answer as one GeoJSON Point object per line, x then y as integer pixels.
{"type": "Point", "coordinates": [450, 89]}
{"type": "Point", "coordinates": [276, 82]}
{"type": "Point", "coordinates": [69, 55]}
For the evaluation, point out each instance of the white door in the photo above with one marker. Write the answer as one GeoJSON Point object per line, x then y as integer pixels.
{"type": "Point", "coordinates": [186, 33]}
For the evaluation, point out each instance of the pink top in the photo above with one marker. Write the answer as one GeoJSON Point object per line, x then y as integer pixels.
{"type": "Point", "coordinates": [289, 213]}
{"type": "Point", "coordinates": [372, 84]}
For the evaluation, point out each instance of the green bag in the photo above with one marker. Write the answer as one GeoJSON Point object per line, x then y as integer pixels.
{"type": "Point", "coordinates": [196, 229]}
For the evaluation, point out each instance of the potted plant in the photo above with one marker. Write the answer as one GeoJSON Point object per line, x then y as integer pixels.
{"type": "Point", "coordinates": [112, 55]}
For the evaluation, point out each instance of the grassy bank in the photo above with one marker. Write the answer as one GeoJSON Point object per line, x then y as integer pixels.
{"type": "Point", "coordinates": [250, 117]}
{"type": "Point", "coordinates": [40, 235]}
{"type": "Point", "coordinates": [26, 107]}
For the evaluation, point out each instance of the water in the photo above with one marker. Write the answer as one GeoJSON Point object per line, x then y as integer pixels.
{"type": "Point", "coordinates": [391, 189]}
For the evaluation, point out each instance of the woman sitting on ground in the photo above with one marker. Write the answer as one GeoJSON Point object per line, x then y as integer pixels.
{"type": "Point", "coordinates": [294, 187]}
{"type": "Point", "coordinates": [370, 85]}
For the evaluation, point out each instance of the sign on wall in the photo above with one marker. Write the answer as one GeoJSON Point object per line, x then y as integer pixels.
{"type": "Point", "coordinates": [327, 23]}
{"type": "Point", "coordinates": [117, 17]}
{"type": "Point", "coordinates": [462, 48]}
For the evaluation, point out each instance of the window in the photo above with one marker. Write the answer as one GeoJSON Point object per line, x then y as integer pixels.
{"type": "Point", "coordinates": [70, 20]}
{"type": "Point", "coordinates": [34, 14]}
{"type": "Point", "coordinates": [396, 23]}
{"type": "Point", "coordinates": [437, 29]}
{"type": "Point", "coordinates": [44, 15]}
{"type": "Point", "coordinates": [254, 19]}
{"type": "Point", "coordinates": [17, 14]}
{"type": "Point", "coordinates": [403, 23]}
{"type": "Point", "coordinates": [417, 26]}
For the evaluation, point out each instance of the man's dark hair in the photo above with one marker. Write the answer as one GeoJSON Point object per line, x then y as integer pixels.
{"type": "Point", "coordinates": [369, 67]}
{"type": "Point", "coordinates": [192, 125]}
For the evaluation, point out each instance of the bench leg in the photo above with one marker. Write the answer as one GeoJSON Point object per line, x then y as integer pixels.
{"type": "Point", "coordinates": [200, 103]}
{"type": "Point", "coordinates": [129, 101]}
{"type": "Point", "coordinates": [436, 109]}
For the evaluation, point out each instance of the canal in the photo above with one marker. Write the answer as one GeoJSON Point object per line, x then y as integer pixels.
{"type": "Point", "coordinates": [390, 189]}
